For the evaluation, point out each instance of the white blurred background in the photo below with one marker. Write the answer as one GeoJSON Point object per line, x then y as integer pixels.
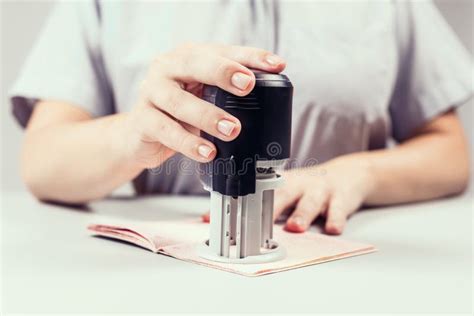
{"type": "Point", "coordinates": [22, 20]}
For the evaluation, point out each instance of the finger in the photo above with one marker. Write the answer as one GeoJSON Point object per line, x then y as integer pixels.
{"type": "Point", "coordinates": [207, 67]}
{"type": "Point", "coordinates": [159, 127]}
{"type": "Point", "coordinates": [308, 208]}
{"type": "Point", "coordinates": [194, 111]}
{"type": "Point", "coordinates": [206, 217]}
{"type": "Point", "coordinates": [254, 57]}
{"type": "Point", "coordinates": [190, 128]}
{"type": "Point", "coordinates": [337, 216]}
{"type": "Point", "coordinates": [284, 199]}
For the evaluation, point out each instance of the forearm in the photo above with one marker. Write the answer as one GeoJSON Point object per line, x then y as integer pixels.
{"type": "Point", "coordinates": [430, 165]}
{"type": "Point", "coordinates": [76, 162]}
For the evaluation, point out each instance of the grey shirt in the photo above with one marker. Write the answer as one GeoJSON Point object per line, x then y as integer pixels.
{"type": "Point", "coordinates": [364, 72]}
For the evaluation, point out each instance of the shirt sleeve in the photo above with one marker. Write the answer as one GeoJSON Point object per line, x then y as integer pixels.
{"type": "Point", "coordinates": [65, 64]}
{"type": "Point", "coordinates": [435, 71]}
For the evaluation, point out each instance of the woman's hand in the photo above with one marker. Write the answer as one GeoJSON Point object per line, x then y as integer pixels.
{"type": "Point", "coordinates": [109, 151]}
{"type": "Point", "coordinates": [335, 190]}
{"type": "Point", "coordinates": [169, 114]}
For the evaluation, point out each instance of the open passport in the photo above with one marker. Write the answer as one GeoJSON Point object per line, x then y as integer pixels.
{"type": "Point", "coordinates": [181, 239]}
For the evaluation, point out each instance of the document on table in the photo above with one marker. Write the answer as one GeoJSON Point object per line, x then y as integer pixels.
{"type": "Point", "coordinates": [181, 239]}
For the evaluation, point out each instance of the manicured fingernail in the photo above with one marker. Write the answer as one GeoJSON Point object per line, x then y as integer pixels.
{"type": "Point", "coordinates": [205, 151]}
{"type": "Point", "coordinates": [334, 230]}
{"type": "Point", "coordinates": [299, 221]}
{"type": "Point", "coordinates": [225, 127]}
{"type": "Point", "coordinates": [240, 80]}
{"type": "Point", "coordinates": [274, 60]}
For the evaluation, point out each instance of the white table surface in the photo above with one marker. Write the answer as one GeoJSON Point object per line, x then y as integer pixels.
{"type": "Point", "coordinates": [51, 264]}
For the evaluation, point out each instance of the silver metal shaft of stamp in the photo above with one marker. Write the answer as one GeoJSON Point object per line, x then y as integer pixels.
{"type": "Point", "coordinates": [242, 227]}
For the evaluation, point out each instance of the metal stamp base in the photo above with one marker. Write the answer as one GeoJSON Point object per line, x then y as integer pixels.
{"type": "Point", "coordinates": [274, 253]}
{"type": "Point", "coordinates": [242, 226]}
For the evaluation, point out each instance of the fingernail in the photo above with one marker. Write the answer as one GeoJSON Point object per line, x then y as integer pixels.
{"type": "Point", "coordinates": [274, 60]}
{"type": "Point", "coordinates": [206, 218]}
{"type": "Point", "coordinates": [205, 151]}
{"type": "Point", "coordinates": [334, 230]}
{"type": "Point", "coordinates": [225, 127]}
{"type": "Point", "coordinates": [240, 80]}
{"type": "Point", "coordinates": [299, 221]}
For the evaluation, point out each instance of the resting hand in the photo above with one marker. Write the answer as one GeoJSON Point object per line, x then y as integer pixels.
{"type": "Point", "coordinates": [335, 190]}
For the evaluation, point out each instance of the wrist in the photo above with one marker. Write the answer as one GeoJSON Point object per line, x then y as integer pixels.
{"type": "Point", "coordinates": [121, 143]}
{"type": "Point", "coordinates": [361, 170]}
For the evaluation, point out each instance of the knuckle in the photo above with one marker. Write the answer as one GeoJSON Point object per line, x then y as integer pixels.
{"type": "Point", "coordinates": [261, 54]}
{"type": "Point", "coordinates": [160, 60]}
{"type": "Point", "coordinates": [322, 191]}
{"type": "Point", "coordinates": [224, 70]}
{"type": "Point", "coordinates": [257, 54]}
{"type": "Point", "coordinates": [343, 196]}
{"type": "Point", "coordinates": [185, 143]}
{"type": "Point", "coordinates": [163, 127]}
{"type": "Point", "coordinates": [207, 117]}
{"type": "Point", "coordinates": [185, 53]}
{"type": "Point", "coordinates": [173, 102]}
{"type": "Point", "coordinates": [153, 97]}
{"type": "Point", "coordinates": [186, 61]}
{"type": "Point", "coordinates": [253, 54]}
{"type": "Point", "coordinates": [159, 67]}
{"type": "Point", "coordinates": [203, 120]}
